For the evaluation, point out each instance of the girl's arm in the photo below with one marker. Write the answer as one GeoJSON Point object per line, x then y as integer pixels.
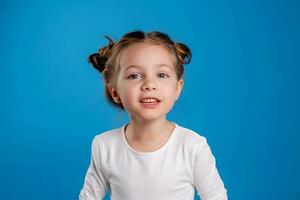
{"type": "Point", "coordinates": [95, 186]}
{"type": "Point", "coordinates": [207, 180]}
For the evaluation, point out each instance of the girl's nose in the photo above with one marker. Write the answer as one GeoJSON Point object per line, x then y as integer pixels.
{"type": "Point", "coordinates": [149, 85]}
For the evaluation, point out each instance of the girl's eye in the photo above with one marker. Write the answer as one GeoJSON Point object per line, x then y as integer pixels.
{"type": "Point", "coordinates": [136, 76]}
{"type": "Point", "coordinates": [133, 76]}
{"type": "Point", "coordinates": [163, 75]}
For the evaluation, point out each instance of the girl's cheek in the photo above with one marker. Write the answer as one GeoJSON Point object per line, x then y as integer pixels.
{"type": "Point", "coordinates": [129, 86]}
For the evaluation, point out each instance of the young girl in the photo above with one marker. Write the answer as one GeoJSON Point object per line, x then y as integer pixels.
{"type": "Point", "coordinates": [149, 158]}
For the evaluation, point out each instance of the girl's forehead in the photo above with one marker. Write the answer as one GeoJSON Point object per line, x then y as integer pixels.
{"type": "Point", "coordinates": [146, 54]}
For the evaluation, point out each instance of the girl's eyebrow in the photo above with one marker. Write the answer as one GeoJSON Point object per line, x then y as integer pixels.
{"type": "Point", "coordinates": [138, 66]}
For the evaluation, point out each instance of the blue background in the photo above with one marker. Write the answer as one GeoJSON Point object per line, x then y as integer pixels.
{"type": "Point", "coordinates": [241, 90]}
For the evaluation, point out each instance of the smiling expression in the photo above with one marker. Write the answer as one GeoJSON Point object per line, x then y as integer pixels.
{"type": "Point", "coordinates": [147, 70]}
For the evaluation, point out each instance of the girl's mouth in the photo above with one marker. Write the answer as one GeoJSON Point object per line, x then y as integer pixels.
{"type": "Point", "coordinates": [150, 102]}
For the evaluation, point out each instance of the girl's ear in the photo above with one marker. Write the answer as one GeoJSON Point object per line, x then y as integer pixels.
{"type": "Point", "coordinates": [113, 92]}
{"type": "Point", "coordinates": [180, 84]}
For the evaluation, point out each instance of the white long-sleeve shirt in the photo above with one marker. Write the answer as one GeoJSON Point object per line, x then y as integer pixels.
{"type": "Point", "coordinates": [182, 165]}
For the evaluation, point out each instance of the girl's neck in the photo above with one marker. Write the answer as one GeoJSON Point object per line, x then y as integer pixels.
{"type": "Point", "coordinates": [150, 131]}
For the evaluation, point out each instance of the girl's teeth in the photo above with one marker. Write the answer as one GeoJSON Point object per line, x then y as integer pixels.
{"type": "Point", "coordinates": [149, 100]}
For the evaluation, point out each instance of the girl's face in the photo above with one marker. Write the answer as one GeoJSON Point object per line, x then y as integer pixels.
{"type": "Point", "coordinates": [147, 70]}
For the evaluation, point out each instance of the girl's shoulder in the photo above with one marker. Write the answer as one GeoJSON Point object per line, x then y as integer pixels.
{"type": "Point", "coordinates": [191, 138]}
{"type": "Point", "coordinates": [109, 136]}
{"type": "Point", "coordinates": [190, 134]}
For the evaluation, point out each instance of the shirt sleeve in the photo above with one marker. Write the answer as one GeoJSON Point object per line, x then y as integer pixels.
{"type": "Point", "coordinates": [95, 186]}
{"type": "Point", "coordinates": [206, 178]}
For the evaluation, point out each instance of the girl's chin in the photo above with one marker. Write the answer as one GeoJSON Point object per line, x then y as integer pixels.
{"type": "Point", "coordinates": [147, 116]}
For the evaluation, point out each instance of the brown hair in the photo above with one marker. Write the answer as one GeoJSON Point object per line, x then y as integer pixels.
{"type": "Point", "coordinates": [106, 61]}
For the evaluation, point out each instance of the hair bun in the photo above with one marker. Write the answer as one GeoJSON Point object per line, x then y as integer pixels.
{"type": "Point", "coordinates": [184, 53]}
{"type": "Point", "coordinates": [98, 60]}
